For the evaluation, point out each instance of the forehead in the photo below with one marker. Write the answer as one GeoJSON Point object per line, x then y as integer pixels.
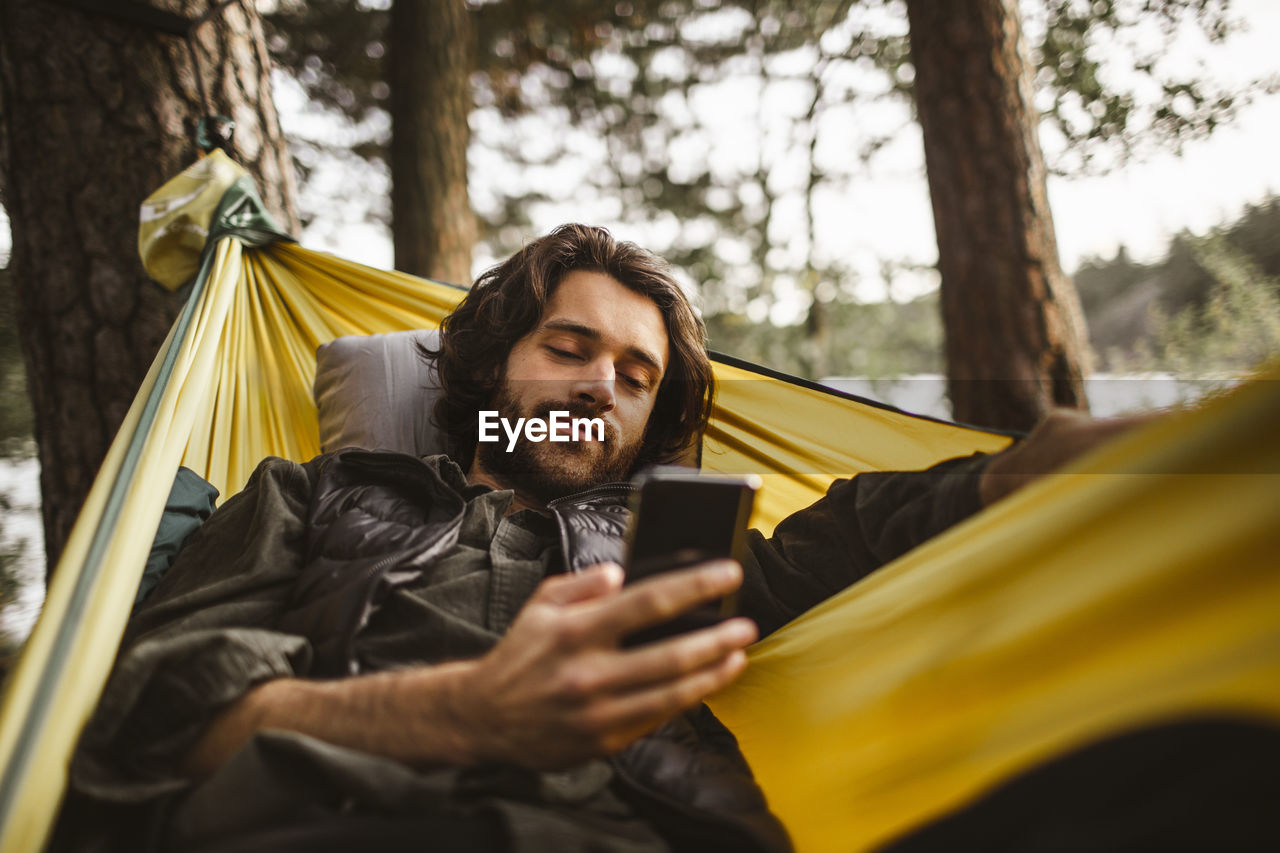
{"type": "Point", "coordinates": [618, 315]}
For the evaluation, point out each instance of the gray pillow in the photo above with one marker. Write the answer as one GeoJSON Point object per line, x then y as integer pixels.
{"type": "Point", "coordinates": [375, 391]}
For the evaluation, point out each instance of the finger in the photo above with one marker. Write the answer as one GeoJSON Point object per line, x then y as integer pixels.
{"type": "Point", "coordinates": [663, 597]}
{"type": "Point", "coordinates": [673, 658]}
{"type": "Point", "coordinates": [591, 582]}
{"type": "Point", "coordinates": [630, 715]}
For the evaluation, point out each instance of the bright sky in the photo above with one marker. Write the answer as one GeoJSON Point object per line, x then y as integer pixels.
{"type": "Point", "coordinates": [1144, 204]}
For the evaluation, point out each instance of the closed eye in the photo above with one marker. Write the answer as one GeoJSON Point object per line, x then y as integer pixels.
{"type": "Point", "coordinates": [564, 353]}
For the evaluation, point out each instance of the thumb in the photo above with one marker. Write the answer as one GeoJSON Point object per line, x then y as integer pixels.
{"type": "Point", "coordinates": [593, 582]}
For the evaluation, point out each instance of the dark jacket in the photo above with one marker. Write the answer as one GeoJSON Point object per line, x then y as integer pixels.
{"type": "Point", "coordinates": [689, 776]}
{"type": "Point", "coordinates": [313, 553]}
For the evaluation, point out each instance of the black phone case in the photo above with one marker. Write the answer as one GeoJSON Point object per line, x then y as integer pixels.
{"type": "Point", "coordinates": [681, 518]}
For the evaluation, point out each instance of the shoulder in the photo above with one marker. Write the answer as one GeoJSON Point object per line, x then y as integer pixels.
{"type": "Point", "coordinates": [279, 474]}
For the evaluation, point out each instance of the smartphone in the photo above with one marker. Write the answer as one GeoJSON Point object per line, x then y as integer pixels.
{"type": "Point", "coordinates": [680, 517]}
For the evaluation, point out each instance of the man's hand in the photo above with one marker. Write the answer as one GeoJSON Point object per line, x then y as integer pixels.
{"type": "Point", "coordinates": [1062, 436]}
{"type": "Point", "coordinates": [554, 691]}
{"type": "Point", "coordinates": [558, 689]}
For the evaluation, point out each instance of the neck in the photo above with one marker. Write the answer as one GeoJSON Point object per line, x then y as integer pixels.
{"type": "Point", "coordinates": [479, 475]}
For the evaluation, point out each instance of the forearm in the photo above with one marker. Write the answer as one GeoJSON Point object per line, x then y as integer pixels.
{"type": "Point", "coordinates": [555, 691]}
{"type": "Point", "coordinates": [859, 526]}
{"type": "Point", "coordinates": [410, 715]}
{"type": "Point", "coordinates": [1059, 439]}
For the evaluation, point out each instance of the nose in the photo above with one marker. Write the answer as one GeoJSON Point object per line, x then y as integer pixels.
{"type": "Point", "coordinates": [595, 387]}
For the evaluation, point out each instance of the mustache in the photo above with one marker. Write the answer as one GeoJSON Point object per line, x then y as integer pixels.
{"type": "Point", "coordinates": [576, 409]}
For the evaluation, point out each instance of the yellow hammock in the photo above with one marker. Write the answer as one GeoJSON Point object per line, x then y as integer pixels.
{"type": "Point", "coordinates": [1089, 604]}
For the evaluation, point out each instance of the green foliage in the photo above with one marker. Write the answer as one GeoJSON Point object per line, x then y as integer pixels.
{"type": "Point", "coordinates": [10, 584]}
{"type": "Point", "coordinates": [16, 420]}
{"type": "Point", "coordinates": [16, 425]}
{"type": "Point", "coordinates": [1234, 331]}
{"type": "Point", "coordinates": [1099, 123]}
{"type": "Point", "coordinates": [336, 50]}
{"type": "Point", "coordinates": [634, 77]}
{"type": "Point", "coordinates": [877, 339]}
{"type": "Point", "coordinates": [630, 84]}
{"type": "Point", "coordinates": [1100, 282]}
{"type": "Point", "coordinates": [1257, 235]}
{"type": "Point", "coordinates": [1144, 315]}
{"type": "Point", "coordinates": [1212, 304]}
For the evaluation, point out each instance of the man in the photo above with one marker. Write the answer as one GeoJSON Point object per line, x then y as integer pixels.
{"type": "Point", "coordinates": [375, 649]}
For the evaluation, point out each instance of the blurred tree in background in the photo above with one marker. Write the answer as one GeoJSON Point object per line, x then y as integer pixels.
{"type": "Point", "coordinates": [1212, 304]}
{"type": "Point", "coordinates": [1239, 324]}
{"type": "Point", "coordinates": [875, 339]}
{"type": "Point", "coordinates": [16, 421]}
{"type": "Point", "coordinates": [1015, 339]}
{"type": "Point", "coordinates": [97, 111]}
{"type": "Point", "coordinates": [15, 441]}
{"type": "Point", "coordinates": [429, 71]}
{"type": "Point", "coordinates": [641, 81]}
{"type": "Point", "coordinates": [10, 587]}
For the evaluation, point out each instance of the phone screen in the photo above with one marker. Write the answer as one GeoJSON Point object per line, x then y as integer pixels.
{"type": "Point", "coordinates": [680, 518]}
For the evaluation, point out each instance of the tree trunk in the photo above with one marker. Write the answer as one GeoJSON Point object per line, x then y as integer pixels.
{"type": "Point", "coordinates": [1015, 341]}
{"type": "Point", "coordinates": [95, 113]}
{"type": "Point", "coordinates": [433, 228]}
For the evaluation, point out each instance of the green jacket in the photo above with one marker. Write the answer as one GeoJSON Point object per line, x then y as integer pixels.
{"type": "Point", "coordinates": [361, 562]}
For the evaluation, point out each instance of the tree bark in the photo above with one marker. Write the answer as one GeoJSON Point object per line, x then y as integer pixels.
{"type": "Point", "coordinates": [432, 226]}
{"type": "Point", "coordinates": [95, 113]}
{"type": "Point", "coordinates": [1015, 341]}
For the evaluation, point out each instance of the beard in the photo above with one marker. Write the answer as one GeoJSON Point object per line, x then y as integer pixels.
{"type": "Point", "coordinates": [548, 470]}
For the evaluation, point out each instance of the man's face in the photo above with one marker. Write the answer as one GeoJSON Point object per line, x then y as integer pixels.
{"type": "Point", "coordinates": [599, 351]}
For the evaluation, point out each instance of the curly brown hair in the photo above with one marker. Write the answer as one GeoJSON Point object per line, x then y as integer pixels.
{"type": "Point", "coordinates": [506, 303]}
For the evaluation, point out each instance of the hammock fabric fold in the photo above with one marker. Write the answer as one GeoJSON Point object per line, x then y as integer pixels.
{"type": "Point", "coordinates": [1140, 587]}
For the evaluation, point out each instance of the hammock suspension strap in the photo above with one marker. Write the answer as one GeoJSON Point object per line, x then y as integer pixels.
{"type": "Point", "coordinates": [213, 130]}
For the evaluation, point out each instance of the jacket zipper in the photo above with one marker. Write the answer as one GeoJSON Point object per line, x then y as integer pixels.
{"type": "Point", "coordinates": [604, 490]}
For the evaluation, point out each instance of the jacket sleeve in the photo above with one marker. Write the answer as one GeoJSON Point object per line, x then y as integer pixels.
{"type": "Point", "coordinates": [202, 639]}
{"type": "Point", "coordinates": [860, 525]}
